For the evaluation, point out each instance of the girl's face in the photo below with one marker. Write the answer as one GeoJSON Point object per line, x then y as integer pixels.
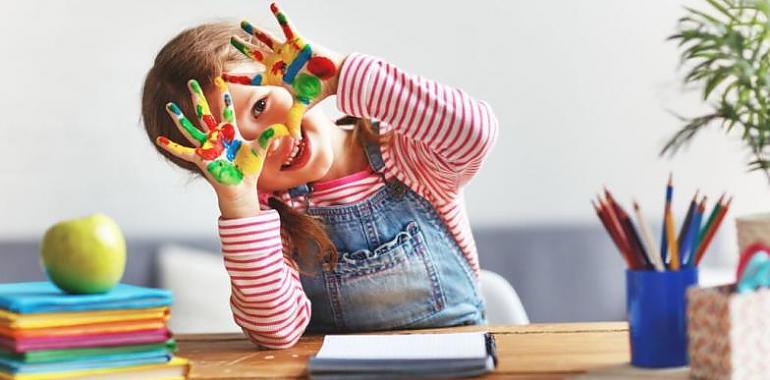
{"type": "Point", "coordinates": [257, 108]}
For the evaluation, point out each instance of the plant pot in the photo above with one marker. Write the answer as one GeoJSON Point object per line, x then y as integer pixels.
{"type": "Point", "coordinates": [754, 228]}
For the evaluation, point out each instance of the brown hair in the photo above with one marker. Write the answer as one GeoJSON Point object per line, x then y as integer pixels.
{"type": "Point", "coordinates": [201, 53]}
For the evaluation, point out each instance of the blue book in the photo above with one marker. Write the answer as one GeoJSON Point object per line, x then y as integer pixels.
{"type": "Point", "coordinates": [108, 361]}
{"type": "Point", "coordinates": [45, 297]}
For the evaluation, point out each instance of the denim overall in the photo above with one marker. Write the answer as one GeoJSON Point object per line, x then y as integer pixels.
{"type": "Point", "coordinates": [398, 267]}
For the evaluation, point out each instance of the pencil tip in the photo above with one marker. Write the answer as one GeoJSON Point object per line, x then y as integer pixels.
{"type": "Point", "coordinates": [670, 178]}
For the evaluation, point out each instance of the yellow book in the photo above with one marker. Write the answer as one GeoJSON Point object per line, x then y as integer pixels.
{"type": "Point", "coordinates": [91, 328]}
{"type": "Point", "coordinates": [11, 320]}
{"type": "Point", "coordinates": [176, 368]}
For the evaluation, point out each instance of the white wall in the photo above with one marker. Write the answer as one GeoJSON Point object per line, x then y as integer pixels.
{"type": "Point", "coordinates": [581, 89]}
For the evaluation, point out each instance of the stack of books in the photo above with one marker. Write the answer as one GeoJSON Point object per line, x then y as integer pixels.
{"type": "Point", "coordinates": [123, 334]}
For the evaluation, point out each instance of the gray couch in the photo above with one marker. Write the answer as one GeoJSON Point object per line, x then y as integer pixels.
{"type": "Point", "coordinates": [562, 273]}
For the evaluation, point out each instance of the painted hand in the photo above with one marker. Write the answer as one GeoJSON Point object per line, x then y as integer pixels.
{"type": "Point", "coordinates": [310, 74]}
{"type": "Point", "coordinates": [219, 150]}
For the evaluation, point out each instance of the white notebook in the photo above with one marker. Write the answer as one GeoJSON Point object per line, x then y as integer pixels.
{"type": "Point", "coordinates": [470, 345]}
{"type": "Point", "coordinates": [404, 356]}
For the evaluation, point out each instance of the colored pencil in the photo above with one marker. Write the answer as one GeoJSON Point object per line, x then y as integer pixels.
{"type": "Point", "coordinates": [712, 231]}
{"type": "Point", "coordinates": [633, 239]}
{"type": "Point", "coordinates": [609, 206]}
{"type": "Point", "coordinates": [613, 234]}
{"type": "Point", "coordinates": [635, 249]}
{"type": "Point", "coordinates": [673, 262]}
{"type": "Point", "coordinates": [673, 249]}
{"type": "Point", "coordinates": [612, 213]}
{"type": "Point", "coordinates": [685, 238]}
{"type": "Point", "coordinates": [689, 260]}
{"type": "Point", "coordinates": [663, 237]}
{"type": "Point", "coordinates": [609, 213]}
{"type": "Point", "coordinates": [653, 253]}
{"type": "Point", "coordinates": [709, 222]}
{"type": "Point", "coordinates": [614, 222]}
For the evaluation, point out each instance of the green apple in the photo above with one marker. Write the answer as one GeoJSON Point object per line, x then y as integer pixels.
{"type": "Point", "coordinates": [86, 255]}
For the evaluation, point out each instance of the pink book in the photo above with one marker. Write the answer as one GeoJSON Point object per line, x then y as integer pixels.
{"type": "Point", "coordinates": [20, 345]}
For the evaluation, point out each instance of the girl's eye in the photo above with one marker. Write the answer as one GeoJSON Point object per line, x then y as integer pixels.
{"type": "Point", "coordinates": [259, 107]}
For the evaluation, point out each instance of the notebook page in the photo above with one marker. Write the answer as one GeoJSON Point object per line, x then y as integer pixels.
{"type": "Point", "coordinates": [412, 346]}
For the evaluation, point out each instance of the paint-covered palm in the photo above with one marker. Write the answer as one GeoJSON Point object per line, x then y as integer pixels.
{"type": "Point", "coordinates": [220, 151]}
{"type": "Point", "coordinates": [309, 73]}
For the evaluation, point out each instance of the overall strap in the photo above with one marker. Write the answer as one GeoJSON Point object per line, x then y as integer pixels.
{"type": "Point", "coordinates": [372, 150]}
{"type": "Point", "coordinates": [374, 155]}
{"type": "Point", "coordinates": [299, 190]}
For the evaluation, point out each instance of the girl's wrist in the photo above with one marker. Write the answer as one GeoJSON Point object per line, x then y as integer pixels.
{"type": "Point", "coordinates": [236, 207]}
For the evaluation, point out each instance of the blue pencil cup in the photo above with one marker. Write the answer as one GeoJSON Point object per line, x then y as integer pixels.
{"type": "Point", "coordinates": [656, 308]}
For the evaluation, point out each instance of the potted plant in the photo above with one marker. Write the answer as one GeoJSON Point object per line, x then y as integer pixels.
{"type": "Point", "coordinates": [726, 50]}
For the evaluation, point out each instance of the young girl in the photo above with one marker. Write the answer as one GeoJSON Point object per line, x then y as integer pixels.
{"type": "Point", "coordinates": [329, 227]}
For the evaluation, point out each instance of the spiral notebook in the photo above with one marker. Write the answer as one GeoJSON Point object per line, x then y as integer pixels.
{"type": "Point", "coordinates": [410, 356]}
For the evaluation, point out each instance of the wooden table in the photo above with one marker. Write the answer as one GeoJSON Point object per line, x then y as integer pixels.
{"type": "Point", "coordinates": [537, 350]}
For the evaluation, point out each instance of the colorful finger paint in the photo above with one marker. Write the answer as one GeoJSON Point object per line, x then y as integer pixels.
{"type": "Point", "coordinates": [263, 37]}
{"type": "Point", "coordinates": [283, 21]}
{"type": "Point", "coordinates": [188, 126]}
{"type": "Point", "coordinates": [174, 148]}
{"type": "Point", "coordinates": [264, 138]}
{"type": "Point", "coordinates": [213, 147]}
{"type": "Point", "coordinates": [221, 85]}
{"type": "Point", "coordinates": [274, 131]}
{"type": "Point", "coordinates": [228, 111]}
{"type": "Point", "coordinates": [248, 160]}
{"type": "Point", "coordinates": [255, 80]}
{"type": "Point", "coordinates": [225, 172]}
{"type": "Point", "coordinates": [278, 68]}
{"type": "Point", "coordinates": [307, 87]}
{"type": "Point", "coordinates": [225, 155]}
{"type": "Point", "coordinates": [246, 49]}
{"type": "Point", "coordinates": [292, 64]}
{"type": "Point", "coordinates": [229, 141]}
{"type": "Point", "coordinates": [296, 65]}
{"type": "Point", "coordinates": [202, 109]}
{"type": "Point", "coordinates": [247, 27]}
{"type": "Point", "coordinates": [294, 123]}
{"type": "Point", "coordinates": [232, 148]}
{"type": "Point", "coordinates": [322, 67]}
{"type": "Point", "coordinates": [228, 132]}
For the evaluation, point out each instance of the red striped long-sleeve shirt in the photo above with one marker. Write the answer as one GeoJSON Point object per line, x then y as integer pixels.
{"type": "Point", "coordinates": [442, 136]}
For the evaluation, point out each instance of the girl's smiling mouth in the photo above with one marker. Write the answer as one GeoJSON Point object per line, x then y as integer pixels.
{"type": "Point", "coordinates": [299, 155]}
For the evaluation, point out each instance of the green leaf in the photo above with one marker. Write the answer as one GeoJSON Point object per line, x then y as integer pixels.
{"type": "Point", "coordinates": [722, 9]}
{"type": "Point", "coordinates": [726, 49]}
{"type": "Point", "coordinates": [758, 165]}
{"type": "Point", "coordinates": [705, 18]}
{"type": "Point", "coordinates": [735, 41]}
{"type": "Point", "coordinates": [730, 87]}
{"type": "Point", "coordinates": [718, 77]}
{"type": "Point", "coordinates": [684, 135]}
